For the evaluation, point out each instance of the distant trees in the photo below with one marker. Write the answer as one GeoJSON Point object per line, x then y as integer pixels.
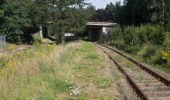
{"type": "Point", "coordinates": [160, 12]}
{"type": "Point", "coordinates": [91, 12]}
{"type": "Point", "coordinates": [112, 12]}
{"type": "Point", "coordinates": [106, 14]}
{"type": "Point", "coordinates": [136, 12]}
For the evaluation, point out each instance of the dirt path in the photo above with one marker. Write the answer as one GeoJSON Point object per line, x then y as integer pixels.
{"type": "Point", "coordinates": [120, 87]}
{"type": "Point", "coordinates": [18, 48]}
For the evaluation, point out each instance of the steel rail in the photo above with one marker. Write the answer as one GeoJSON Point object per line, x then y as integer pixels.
{"type": "Point", "coordinates": [161, 76]}
{"type": "Point", "coordinates": [137, 89]}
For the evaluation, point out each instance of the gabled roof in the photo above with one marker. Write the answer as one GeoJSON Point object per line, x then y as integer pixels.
{"type": "Point", "coordinates": [107, 24]}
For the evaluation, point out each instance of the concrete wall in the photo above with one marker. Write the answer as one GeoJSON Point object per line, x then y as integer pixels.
{"type": "Point", "coordinates": [107, 30]}
{"type": "Point", "coordinates": [99, 33]}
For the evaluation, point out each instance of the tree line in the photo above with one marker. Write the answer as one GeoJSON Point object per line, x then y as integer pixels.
{"type": "Point", "coordinates": [136, 12]}
{"type": "Point", "coordinates": [20, 18]}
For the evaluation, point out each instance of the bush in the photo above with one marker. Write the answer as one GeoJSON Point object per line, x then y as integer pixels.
{"type": "Point", "coordinates": [129, 36]}
{"type": "Point", "coordinates": [147, 41]}
{"type": "Point", "coordinates": [144, 33]}
{"type": "Point", "coordinates": [166, 41]}
{"type": "Point", "coordinates": [147, 51]}
{"type": "Point", "coordinates": [156, 59]}
{"type": "Point", "coordinates": [37, 38]}
{"type": "Point", "coordinates": [154, 34]}
{"type": "Point", "coordinates": [117, 33]}
{"type": "Point", "coordinates": [117, 37]}
{"type": "Point", "coordinates": [131, 39]}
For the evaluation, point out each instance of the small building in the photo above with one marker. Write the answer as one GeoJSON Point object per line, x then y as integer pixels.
{"type": "Point", "coordinates": [98, 30]}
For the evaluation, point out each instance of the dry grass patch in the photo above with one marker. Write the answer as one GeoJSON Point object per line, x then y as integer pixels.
{"type": "Point", "coordinates": [50, 72]}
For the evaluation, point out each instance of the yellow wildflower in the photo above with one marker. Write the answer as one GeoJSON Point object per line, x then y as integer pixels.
{"type": "Point", "coordinates": [164, 55]}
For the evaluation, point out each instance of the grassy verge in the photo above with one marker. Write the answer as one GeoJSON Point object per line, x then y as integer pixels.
{"type": "Point", "coordinates": [48, 72]}
{"type": "Point", "coordinates": [153, 59]}
{"type": "Point", "coordinates": [163, 68]}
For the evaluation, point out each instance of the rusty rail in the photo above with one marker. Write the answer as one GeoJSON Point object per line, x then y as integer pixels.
{"type": "Point", "coordinates": [154, 85]}
{"type": "Point", "coordinates": [129, 79]}
{"type": "Point", "coordinates": [161, 76]}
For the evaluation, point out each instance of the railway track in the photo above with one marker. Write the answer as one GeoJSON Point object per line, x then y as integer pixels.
{"type": "Point", "coordinates": [148, 83]}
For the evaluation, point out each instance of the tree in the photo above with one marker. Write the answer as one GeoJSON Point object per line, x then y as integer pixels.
{"type": "Point", "coordinates": [1, 14]}
{"type": "Point", "coordinates": [110, 12]}
{"type": "Point", "coordinates": [100, 16]}
{"type": "Point", "coordinates": [119, 16]}
{"type": "Point", "coordinates": [41, 14]}
{"type": "Point", "coordinates": [91, 12]}
{"type": "Point", "coordinates": [66, 15]}
{"type": "Point", "coordinates": [16, 19]}
{"type": "Point", "coordinates": [160, 10]}
{"type": "Point", "coordinates": [71, 17]}
{"type": "Point", "coordinates": [137, 12]}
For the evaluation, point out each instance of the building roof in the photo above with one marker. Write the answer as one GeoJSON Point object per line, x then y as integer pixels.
{"type": "Point", "coordinates": [107, 24]}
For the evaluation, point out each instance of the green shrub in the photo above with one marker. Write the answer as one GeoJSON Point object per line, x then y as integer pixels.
{"type": "Point", "coordinates": [145, 33]}
{"type": "Point", "coordinates": [167, 40]}
{"type": "Point", "coordinates": [133, 49]}
{"type": "Point", "coordinates": [153, 34]}
{"type": "Point", "coordinates": [142, 41]}
{"type": "Point", "coordinates": [37, 38]}
{"type": "Point", "coordinates": [128, 36]}
{"type": "Point", "coordinates": [147, 51]}
{"type": "Point", "coordinates": [118, 43]}
{"type": "Point", "coordinates": [141, 33]}
{"type": "Point", "coordinates": [131, 39]}
{"type": "Point", "coordinates": [156, 59]}
{"type": "Point", "coordinates": [117, 38]}
{"type": "Point", "coordinates": [117, 33]}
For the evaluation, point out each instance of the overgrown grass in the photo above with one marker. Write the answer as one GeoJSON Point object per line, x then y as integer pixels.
{"type": "Point", "coordinates": [49, 72]}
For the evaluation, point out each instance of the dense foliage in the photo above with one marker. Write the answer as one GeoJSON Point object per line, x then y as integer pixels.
{"type": "Point", "coordinates": [16, 20]}
{"type": "Point", "coordinates": [149, 42]}
{"type": "Point", "coordinates": [20, 18]}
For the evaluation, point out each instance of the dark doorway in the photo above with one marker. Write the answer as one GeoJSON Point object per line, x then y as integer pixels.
{"type": "Point", "coordinates": [95, 34]}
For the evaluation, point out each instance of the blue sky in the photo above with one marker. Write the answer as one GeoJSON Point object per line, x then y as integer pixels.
{"type": "Point", "coordinates": [101, 3]}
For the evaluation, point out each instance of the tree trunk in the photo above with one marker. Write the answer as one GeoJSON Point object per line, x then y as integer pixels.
{"type": "Point", "coordinates": [45, 31]}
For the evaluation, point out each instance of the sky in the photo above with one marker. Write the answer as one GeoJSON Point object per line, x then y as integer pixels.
{"type": "Point", "coordinates": [101, 3]}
